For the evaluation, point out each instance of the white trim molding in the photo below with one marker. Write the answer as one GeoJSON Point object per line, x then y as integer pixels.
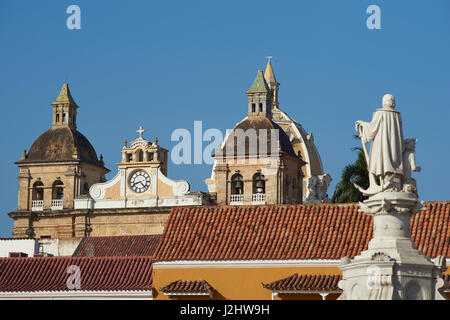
{"type": "Point", "coordinates": [76, 295]}
{"type": "Point", "coordinates": [244, 264]}
{"type": "Point", "coordinates": [186, 293]}
{"type": "Point", "coordinates": [324, 293]}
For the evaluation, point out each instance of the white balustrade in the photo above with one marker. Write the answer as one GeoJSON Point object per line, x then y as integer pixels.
{"type": "Point", "coordinates": [57, 204]}
{"type": "Point", "coordinates": [37, 205]}
{"type": "Point", "coordinates": [237, 199]}
{"type": "Point", "coordinates": [259, 198]}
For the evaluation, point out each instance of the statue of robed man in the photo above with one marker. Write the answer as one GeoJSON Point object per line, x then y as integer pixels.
{"type": "Point", "coordinates": [386, 153]}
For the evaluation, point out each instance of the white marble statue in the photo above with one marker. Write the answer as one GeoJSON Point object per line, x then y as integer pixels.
{"type": "Point", "coordinates": [409, 164]}
{"type": "Point", "coordinates": [317, 189]}
{"type": "Point", "coordinates": [391, 268]}
{"type": "Point", "coordinates": [385, 161]}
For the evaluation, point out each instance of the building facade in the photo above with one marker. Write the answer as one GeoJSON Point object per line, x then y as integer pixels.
{"type": "Point", "coordinates": [276, 151]}
{"type": "Point", "coordinates": [63, 192]}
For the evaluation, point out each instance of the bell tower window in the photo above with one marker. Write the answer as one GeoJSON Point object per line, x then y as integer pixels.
{"type": "Point", "coordinates": [37, 197]}
{"type": "Point", "coordinates": [38, 191]}
{"type": "Point", "coordinates": [259, 184]}
{"type": "Point", "coordinates": [259, 189]}
{"type": "Point", "coordinates": [58, 190]}
{"type": "Point", "coordinates": [57, 195]}
{"type": "Point", "coordinates": [260, 107]}
{"type": "Point", "coordinates": [237, 185]}
{"type": "Point", "coordinates": [140, 156]}
{"type": "Point", "coordinates": [237, 190]}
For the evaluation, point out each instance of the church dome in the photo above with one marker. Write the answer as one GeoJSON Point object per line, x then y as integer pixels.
{"type": "Point", "coordinates": [61, 144]}
{"type": "Point", "coordinates": [259, 124]}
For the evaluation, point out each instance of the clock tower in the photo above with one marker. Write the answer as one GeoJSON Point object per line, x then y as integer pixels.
{"type": "Point", "coordinates": [141, 181]}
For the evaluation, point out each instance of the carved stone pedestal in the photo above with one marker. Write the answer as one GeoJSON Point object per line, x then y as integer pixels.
{"type": "Point", "coordinates": [392, 268]}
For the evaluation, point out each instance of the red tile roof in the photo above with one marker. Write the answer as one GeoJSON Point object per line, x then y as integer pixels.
{"type": "Point", "coordinates": [97, 273]}
{"type": "Point", "coordinates": [142, 245]}
{"type": "Point", "coordinates": [179, 286]}
{"type": "Point", "coordinates": [306, 282]}
{"type": "Point", "coordinates": [324, 231]}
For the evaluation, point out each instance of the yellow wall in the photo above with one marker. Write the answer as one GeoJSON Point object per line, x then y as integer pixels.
{"type": "Point", "coordinates": [239, 283]}
{"type": "Point", "coordinates": [234, 283]}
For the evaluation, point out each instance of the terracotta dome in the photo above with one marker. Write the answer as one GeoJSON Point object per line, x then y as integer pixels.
{"type": "Point", "coordinates": [258, 124]}
{"type": "Point", "coordinates": [60, 144]}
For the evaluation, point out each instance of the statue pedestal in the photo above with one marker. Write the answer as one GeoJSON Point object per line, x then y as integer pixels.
{"type": "Point", "coordinates": [392, 268]}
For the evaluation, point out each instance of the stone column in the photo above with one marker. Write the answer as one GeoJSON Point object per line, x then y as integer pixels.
{"type": "Point", "coordinates": [25, 191]}
{"type": "Point", "coordinates": [392, 268]}
{"type": "Point", "coordinates": [48, 192]}
{"type": "Point", "coordinates": [145, 156]}
{"type": "Point", "coordinates": [248, 188]}
{"type": "Point", "coordinates": [222, 184]}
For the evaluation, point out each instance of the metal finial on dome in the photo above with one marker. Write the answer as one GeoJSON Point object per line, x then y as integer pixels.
{"type": "Point", "coordinates": [125, 143]}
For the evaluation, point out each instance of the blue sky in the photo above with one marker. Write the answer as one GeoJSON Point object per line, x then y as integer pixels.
{"type": "Point", "coordinates": [165, 64]}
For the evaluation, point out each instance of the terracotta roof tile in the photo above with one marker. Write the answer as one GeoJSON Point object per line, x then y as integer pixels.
{"type": "Point", "coordinates": [179, 286]}
{"type": "Point", "coordinates": [141, 245]}
{"type": "Point", "coordinates": [323, 231]}
{"type": "Point", "coordinates": [97, 273]}
{"type": "Point", "coordinates": [306, 282]}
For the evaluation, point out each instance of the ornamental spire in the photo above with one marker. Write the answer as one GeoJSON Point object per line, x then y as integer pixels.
{"type": "Point", "coordinates": [65, 97]}
{"type": "Point", "coordinates": [259, 84]}
{"type": "Point", "coordinates": [64, 109]}
{"type": "Point", "coordinates": [269, 76]}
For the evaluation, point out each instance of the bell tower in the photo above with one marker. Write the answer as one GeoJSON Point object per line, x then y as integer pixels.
{"type": "Point", "coordinates": [259, 97]}
{"type": "Point", "coordinates": [60, 166]}
{"type": "Point", "coordinates": [64, 109]}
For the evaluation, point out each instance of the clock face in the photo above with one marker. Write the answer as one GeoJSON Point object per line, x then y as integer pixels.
{"type": "Point", "coordinates": [140, 181]}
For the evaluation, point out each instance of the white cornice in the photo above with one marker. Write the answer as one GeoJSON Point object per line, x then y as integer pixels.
{"type": "Point", "coordinates": [306, 291]}
{"type": "Point", "coordinates": [245, 264]}
{"type": "Point", "coordinates": [182, 264]}
{"type": "Point", "coordinates": [76, 294]}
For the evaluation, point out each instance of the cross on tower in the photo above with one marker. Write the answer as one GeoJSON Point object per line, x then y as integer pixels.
{"type": "Point", "coordinates": [140, 131]}
{"type": "Point", "coordinates": [269, 58]}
